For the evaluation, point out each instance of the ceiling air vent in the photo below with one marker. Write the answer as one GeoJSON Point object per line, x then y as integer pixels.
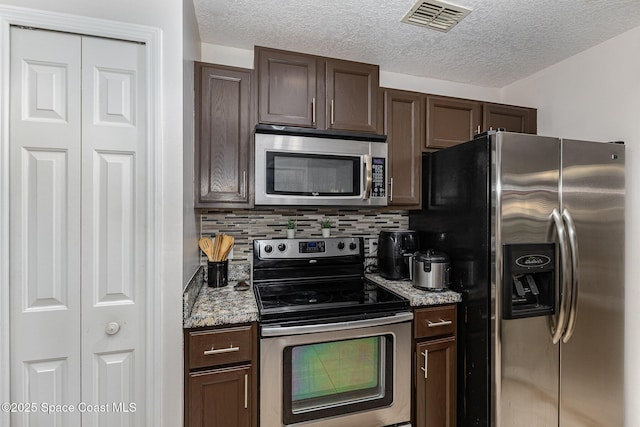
{"type": "Point", "coordinates": [436, 15]}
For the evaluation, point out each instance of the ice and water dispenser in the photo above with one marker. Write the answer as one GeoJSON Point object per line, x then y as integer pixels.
{"type": "Point", "coordinates": [528, 280]}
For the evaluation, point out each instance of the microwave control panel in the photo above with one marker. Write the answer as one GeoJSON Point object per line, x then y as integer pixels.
{"type": "Point", "coordinates": [377, 186]}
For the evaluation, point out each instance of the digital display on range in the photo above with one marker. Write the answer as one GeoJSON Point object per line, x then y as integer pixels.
{"type": "Point", "coordinates": [310, 247]}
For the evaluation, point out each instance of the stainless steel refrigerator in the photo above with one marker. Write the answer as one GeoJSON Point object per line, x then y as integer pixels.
{"type": "Point", "coordinates": [534, 227]}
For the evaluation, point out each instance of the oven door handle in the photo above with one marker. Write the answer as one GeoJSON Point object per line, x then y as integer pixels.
{"type": "Point", "coordinates": [276, 331]}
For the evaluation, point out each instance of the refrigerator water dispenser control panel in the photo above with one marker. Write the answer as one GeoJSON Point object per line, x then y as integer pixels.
{"type": "Point", "coordinates": [529, 280]}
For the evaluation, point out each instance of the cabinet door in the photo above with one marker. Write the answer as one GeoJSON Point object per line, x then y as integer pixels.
{"type": "Point", "coordinates": [223, 132]}
{"type": "Point", "coordinates": [436, 383]}
{"type": "Point", "coordinates": [352, 96]}
{"type": "Point", "coordinates": [404, 127]}
{"type": "Point", "coordinates": [287, 91]}
{"type": "Point", "coordinates": [512, 119]}
{"type": "Point", "coordinates": [221, 398]}
{"type": "Point", "coordinates": [451, 121]}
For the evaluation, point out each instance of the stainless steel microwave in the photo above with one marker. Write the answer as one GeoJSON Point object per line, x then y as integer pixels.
{"type": "Point", "coordinates": [308, 167]}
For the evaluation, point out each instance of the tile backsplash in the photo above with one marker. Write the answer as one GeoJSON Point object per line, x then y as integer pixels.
{"type": "Point", "coordinates": [246, 225]}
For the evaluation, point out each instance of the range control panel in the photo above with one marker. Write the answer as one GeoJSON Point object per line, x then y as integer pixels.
{"type": "Point", "coordinates": [379, 177]}
{"type": "Point", "coordinates": [307, 248]}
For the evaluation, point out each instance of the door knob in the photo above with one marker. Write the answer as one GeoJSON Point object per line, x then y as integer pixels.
{"type": "Point", "coordinates": [112, 328]}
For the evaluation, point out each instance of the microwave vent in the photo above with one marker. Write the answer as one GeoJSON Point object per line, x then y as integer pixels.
{"type": "Point", "coordinates": [435, 15]}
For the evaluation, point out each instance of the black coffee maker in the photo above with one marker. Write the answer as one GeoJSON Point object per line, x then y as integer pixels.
{"type": "Point", "coordinates": [393, 248]}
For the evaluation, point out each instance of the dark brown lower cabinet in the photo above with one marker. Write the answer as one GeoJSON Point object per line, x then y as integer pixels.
{"type": "Point", "coordinates": [221, 397]}
{"type": "Point", "coordinates": [434, 388]}
{"type": "Point", "coordinates": [221, 388]}
{"type": "Point", "coordinates": [436, 383]}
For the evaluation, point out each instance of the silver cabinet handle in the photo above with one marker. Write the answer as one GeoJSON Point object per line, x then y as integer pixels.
{"type": "Point", "coordinates": [575, 274]}
{"type": "Point", "coordinates": [229, 349]}
{"type": "Point", "coordinates": [243, 192]}
{"type": "Point", "coordinates": [333, 114]}
{"type": "Point", "coordinates": [368, 170]}
{"type": "Point", "coordinates": [442, 322]}
{"type": "Point", "coordinates": [426, 362]}
{"type": "Point", "coordinates": [478, 130]}
{"type": "Point", "coordinates": [313, 110]}
{"type": "Point", "coordinates": [246, 391]}
{"type": "Point", "coordinates": [391, 190]}
{"type": "Point", "coordinates": [558, 327]}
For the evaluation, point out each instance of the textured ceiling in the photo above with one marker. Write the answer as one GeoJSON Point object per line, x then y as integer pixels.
{"type": "Point", "coordinates": [499, 42]}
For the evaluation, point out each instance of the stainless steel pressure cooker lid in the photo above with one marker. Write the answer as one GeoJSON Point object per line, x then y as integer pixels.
{"type": "Point", "coordinates": [431, 256]}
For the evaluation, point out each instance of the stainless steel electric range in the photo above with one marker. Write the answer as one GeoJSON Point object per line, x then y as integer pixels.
{"type": "Point", "coordinates": [335, 348]}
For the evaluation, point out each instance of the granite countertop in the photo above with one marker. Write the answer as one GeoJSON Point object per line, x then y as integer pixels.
{"type": "Point", "coordinates": [222, 306]}
{"type": "Point", "coordinates": [416, 297]}
{"type": "Point", "coordinates": [205, 306]}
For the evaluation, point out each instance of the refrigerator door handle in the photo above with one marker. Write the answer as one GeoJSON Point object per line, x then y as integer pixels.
{"type": "Point", "coordinates": [558, 327]}
{"type": "Point", "coordinates": [575, 273]}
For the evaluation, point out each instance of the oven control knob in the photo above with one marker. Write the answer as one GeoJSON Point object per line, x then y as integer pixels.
{"type": "Point", "coordinates": [341, 245]}
{"type": "Point", "coordinates": [282, 247]}
{"type": "Point", "coordinates": [352, 246]}
{"type": "Point", "coordinates": [268, 249]}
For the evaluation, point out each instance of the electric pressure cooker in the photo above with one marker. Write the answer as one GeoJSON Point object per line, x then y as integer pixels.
{"type": "Point", "coordinates": [430, 270]}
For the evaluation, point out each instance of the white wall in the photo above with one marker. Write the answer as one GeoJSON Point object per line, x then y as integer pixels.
{"type": "Point", "coordinates": [167, 16]}
{"type": "Point", "coordinates": [191, 221]}
{"type": "Point", "coordinates": [596, 96]}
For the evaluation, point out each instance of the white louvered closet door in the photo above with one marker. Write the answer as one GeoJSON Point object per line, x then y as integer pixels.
{"type": "Point", "coordinates": [78, 209]}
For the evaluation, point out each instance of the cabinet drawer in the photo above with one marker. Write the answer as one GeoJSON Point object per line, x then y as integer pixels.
{"type": "Point", "coordinates": [434, 321]}
{"type": "Point", "coordinates": [219, 347]}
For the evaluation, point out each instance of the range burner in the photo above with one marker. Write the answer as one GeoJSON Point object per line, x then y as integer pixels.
{"type": "Point", "coordinates": [305, 297]}
{"type": "Point", "coordinates": [306, 279]}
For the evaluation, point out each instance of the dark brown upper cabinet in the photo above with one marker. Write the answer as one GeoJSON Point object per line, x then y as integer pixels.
{"type": "Point", "coordinates": [296, 89]}
{"type": "Point", "coordinates": [404, 127]}
{"type": "Point", "coordinates": [223, 128]}
{"type": "Point", "coordinates": [509, 118]}
{"type": "Point", "coordinates": [288, 92]}
{"type": "Point", "coordinates": [352, 95]}
{"type": "Point", "coordinates": [451, 121]}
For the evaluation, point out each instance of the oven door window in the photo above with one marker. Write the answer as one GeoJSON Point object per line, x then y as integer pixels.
{"type": "Point", "coordinates": [313, 174]}
{"type": "Point", "coordinates": [334, 378]}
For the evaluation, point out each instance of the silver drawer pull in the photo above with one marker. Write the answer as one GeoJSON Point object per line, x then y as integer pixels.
{"type": "Point", "coordinates": [440, 323]}
{"type": "Point", "coordinates": [229, 349]}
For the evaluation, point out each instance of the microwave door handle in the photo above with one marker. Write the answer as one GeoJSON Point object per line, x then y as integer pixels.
{"type": "Point", "coordinates": [368, 176]}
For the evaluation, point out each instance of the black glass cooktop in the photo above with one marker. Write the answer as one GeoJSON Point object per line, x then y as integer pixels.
{"type": "Point", "coordinates": [325, 298]}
